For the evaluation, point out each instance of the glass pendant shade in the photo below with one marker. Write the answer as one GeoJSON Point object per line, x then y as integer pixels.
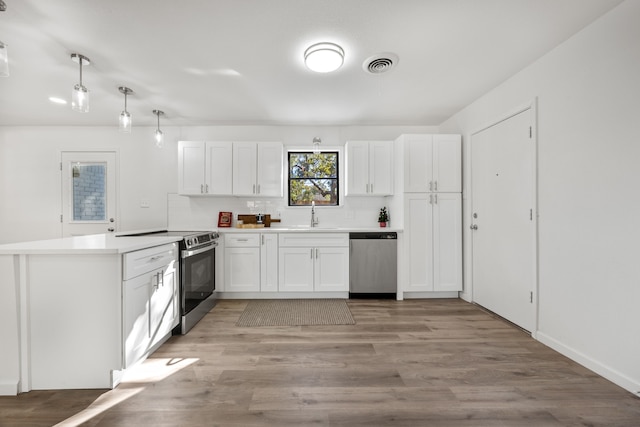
{"type": "Point", "coordinates": [159, 138]}
{"type": "Point", "coordinates": [80, 94]}
{"type": "Point", "coordinates": [125, 122]}
{"type": "Point", "coordinates": [4, 60]}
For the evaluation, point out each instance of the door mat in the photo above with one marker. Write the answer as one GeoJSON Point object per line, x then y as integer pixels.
{"type": "Point", "coordinates": [296, 312]}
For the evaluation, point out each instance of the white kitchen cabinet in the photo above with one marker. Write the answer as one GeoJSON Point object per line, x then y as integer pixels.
{"type": "Point", "coordinates": [432, 163]}
{"type": "Point", "coordinates": [316, 263]}
{"type": "Point", "coordinates": [150, 296]}
{"type": "Point", "coordinates": [369, 170]}
{"type": "Point", "coordinates": [205, 168]}
{"type": "Point", "coordinates": [257, 169]}
{"type": "Point", "coordinates": [251, 262]}
{"type": "Point", "coordinates": [269, 262]}
{"type": "Point", "coordinates": [433, 239]}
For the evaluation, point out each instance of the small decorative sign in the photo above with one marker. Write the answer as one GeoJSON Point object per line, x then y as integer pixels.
{"type": "Point", "coordinates": [224, 219]}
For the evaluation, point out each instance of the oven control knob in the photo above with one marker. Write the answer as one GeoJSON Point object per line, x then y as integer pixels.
{"type": "Point", "coordinates": [195, 241]}
{"type": "Point", "coordinates": [189, 242]}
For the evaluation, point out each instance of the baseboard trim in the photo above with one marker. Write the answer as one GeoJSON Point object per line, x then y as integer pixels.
{"type": "Point", "coordinates": [9, 388]}
{"type": "Point", "coordinates": [603, 370]}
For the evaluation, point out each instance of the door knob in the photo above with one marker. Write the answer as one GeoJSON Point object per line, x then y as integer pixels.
{"type": "Point", "coordinates": [474, 226]}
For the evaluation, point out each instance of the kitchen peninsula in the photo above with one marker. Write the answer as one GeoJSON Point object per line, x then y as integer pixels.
{"type": "Point", "coordinates": [69, 321]}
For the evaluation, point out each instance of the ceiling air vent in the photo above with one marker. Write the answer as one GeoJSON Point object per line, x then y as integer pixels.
{"type": "Point", "coordinates": [380, 63]}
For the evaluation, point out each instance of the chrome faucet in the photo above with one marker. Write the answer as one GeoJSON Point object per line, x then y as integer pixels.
{"type": "Point", "coordinates": [314, 220]}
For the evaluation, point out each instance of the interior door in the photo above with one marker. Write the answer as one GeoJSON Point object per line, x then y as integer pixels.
{"type": "Point", "coordinates": [88, 193]}
{"type": "Point", "coordinates": [503, 200]}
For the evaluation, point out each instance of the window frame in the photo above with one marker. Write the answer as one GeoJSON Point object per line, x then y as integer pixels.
{"type": "Point", "coordinates": [339, 176]}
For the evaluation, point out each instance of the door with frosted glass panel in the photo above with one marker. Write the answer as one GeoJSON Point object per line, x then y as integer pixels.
{"type": "Point", "coordinates": [88, 193]}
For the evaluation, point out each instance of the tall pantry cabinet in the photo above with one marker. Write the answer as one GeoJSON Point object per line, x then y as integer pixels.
{"type": "Point", "coordinates": [432, 205]}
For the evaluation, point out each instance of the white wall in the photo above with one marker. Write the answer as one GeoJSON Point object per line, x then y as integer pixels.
{"type": "Point", "coordinates": [588, 93]}
{"type": "Point", "coordinates": [30, 174]}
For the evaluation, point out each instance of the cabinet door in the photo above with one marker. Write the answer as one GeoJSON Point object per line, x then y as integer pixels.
{"type": "Point", "coordinates": [191, 167]}
{"type": "Point", "coordinates": [269, 262]}
{"type": "Point", "coordinates": [357, 173]}
{"type": "Point", "coordinates": [163, 303]}
{"type": "Point", "coordinates": [242, 269]}
{"type": "Point", "coordinates": [447, 242]}
{"type": "Point", "coordinates": [136, 318]}
{"type": "Point", "coordinates": [296, 269]}
{"type": "Point", "coordinates": [331, 271]}
{"type": "Point", "coordinates": [244, 168]}
{"type": "Point", "coordinates": [218, 168]}
{"type": "Point", "coordinates": [381, 168]}
{"type": "Point", "coordinates": [418, 163]}
{"type": "Point", "coordinates": [270, 169]}
{"type": "Point", "coordinates": [447, 163]}
{"type": "Point", "coordinates": [418, 245]}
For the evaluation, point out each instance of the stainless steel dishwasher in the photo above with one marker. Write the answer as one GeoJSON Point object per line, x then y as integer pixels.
{"type": "Point", "coordinates": [373, 267]}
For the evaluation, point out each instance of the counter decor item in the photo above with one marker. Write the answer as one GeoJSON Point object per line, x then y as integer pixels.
{"type": "Point", "coordinates": [224, 219]}
{"type": "Point", "coordinates": [383, 217]}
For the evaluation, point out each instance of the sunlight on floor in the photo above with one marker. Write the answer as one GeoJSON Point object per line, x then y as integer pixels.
{"type": "Point", "coordinates": [150, 371]}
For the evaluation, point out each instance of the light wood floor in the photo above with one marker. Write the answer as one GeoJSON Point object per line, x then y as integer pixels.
{"type": "Point", "coordinates": [405, 363]}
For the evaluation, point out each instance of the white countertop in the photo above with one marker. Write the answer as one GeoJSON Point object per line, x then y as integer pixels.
{"type": "Point", "coordinates": [91, 244]}
{"type": "Point", "coordinates": [305, 229]}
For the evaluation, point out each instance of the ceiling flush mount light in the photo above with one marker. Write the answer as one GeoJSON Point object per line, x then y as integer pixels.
{"type": "Point", "coordinates": [324, 57]}
{"type": "Point", "coordinates": [316, 145]}
{"type": "Point", "coordinates": [80, 94]}
{"type": "Point", "coordinates": [159, 134]}
{"type": "Point", "coordinates": [125, 116]}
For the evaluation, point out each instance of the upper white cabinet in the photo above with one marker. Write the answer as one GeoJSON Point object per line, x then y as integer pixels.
{"type": "Point", "coordinates": [204, 168]}
{"type": "Point", "coordinates": [432, 163]}
{"type": "Point", "coordinates": [369, 169]}
{"type": "Point", "coordinates": [257, 169]}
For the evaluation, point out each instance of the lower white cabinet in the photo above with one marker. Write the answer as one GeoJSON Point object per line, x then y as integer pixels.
{"type": "Point", "coordinates": [314, 263]}
{"type": "Point", "coordinates": [433, 242]}
{"type": "Point", "coordinates": [251, 262]}
{"type": "Point", "coordinates": [150, 296]}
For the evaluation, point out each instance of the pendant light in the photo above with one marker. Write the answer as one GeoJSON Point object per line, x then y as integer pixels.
{"type": "Point", "coordinates": [4, 60]}
{"type": "Point", "coordinates": [324, 57]}
{"type": "Point", "coordinates": [80, 94]}
{"type": "Point", "coordinates": [159, 134]}
{"type": "Point", "coordinates": [4, 53]}
{"type": "Point", "coordinates": [125, 116]}
{"type": "Point", "coordinates": [316, 145]}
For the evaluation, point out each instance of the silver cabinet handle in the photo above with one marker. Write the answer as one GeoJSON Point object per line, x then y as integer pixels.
{"type": "Point", "coordinates": [430, 199]}
{"type": "Point", "coordinates": [258, 192]}
{"type": "Point", "coordinates": [430, 185]}
{"type": "Point", "coordinates": [316, 253]}
{"type": "Point", "coordinates": [435, 197]}
{"type": "Point", "coordinates": [206, 188]}
{"type": "Point", "coordinates": [435, 185]}
{"type": "Point", "coordinates": [371, 188]}
{"type": "Point", "coordinates": [311, 253]}
{"type": "Point", "coordinates": [201, 188]}
{"type": "Point", "coordinates": [254, 189]}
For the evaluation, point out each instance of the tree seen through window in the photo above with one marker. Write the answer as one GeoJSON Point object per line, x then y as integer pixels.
{"type": "Point", "coordinates": [313, 177]}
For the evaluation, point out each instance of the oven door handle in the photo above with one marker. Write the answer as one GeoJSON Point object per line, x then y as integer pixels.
{"type": "Point", "coordinates": [187, 254]}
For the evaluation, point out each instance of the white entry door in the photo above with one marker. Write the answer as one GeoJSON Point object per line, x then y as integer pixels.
{"type": "Point", "coordinates": [88, 193]}
{"type": "Point", "coordinates": [503, 219]}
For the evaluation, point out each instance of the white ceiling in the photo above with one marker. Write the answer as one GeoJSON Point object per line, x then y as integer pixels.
{"type": "Point", "coordinates": [210, 62]}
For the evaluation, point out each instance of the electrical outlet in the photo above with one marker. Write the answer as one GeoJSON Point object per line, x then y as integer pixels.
{"type": "Point", "coordinates": [144, 203]}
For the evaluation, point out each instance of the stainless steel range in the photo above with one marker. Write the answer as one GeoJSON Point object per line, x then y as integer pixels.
{"type": "Point", "coordinates": [197, 272]}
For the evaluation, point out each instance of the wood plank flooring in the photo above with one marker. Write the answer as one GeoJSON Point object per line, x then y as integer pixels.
{"type": "Point", "coordinates": [405, 363]}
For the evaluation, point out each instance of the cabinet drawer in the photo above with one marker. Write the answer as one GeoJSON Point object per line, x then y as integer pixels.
{"type": "Point", "coordinates": [242, 240]}
{"type": "Point", "coordinates": [146, 260]}
{"type": "Point", "coordinates": [315, 240]}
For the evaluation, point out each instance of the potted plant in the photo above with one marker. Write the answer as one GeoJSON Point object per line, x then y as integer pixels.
{"type": "Point", "coordinates": [383, 217]}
